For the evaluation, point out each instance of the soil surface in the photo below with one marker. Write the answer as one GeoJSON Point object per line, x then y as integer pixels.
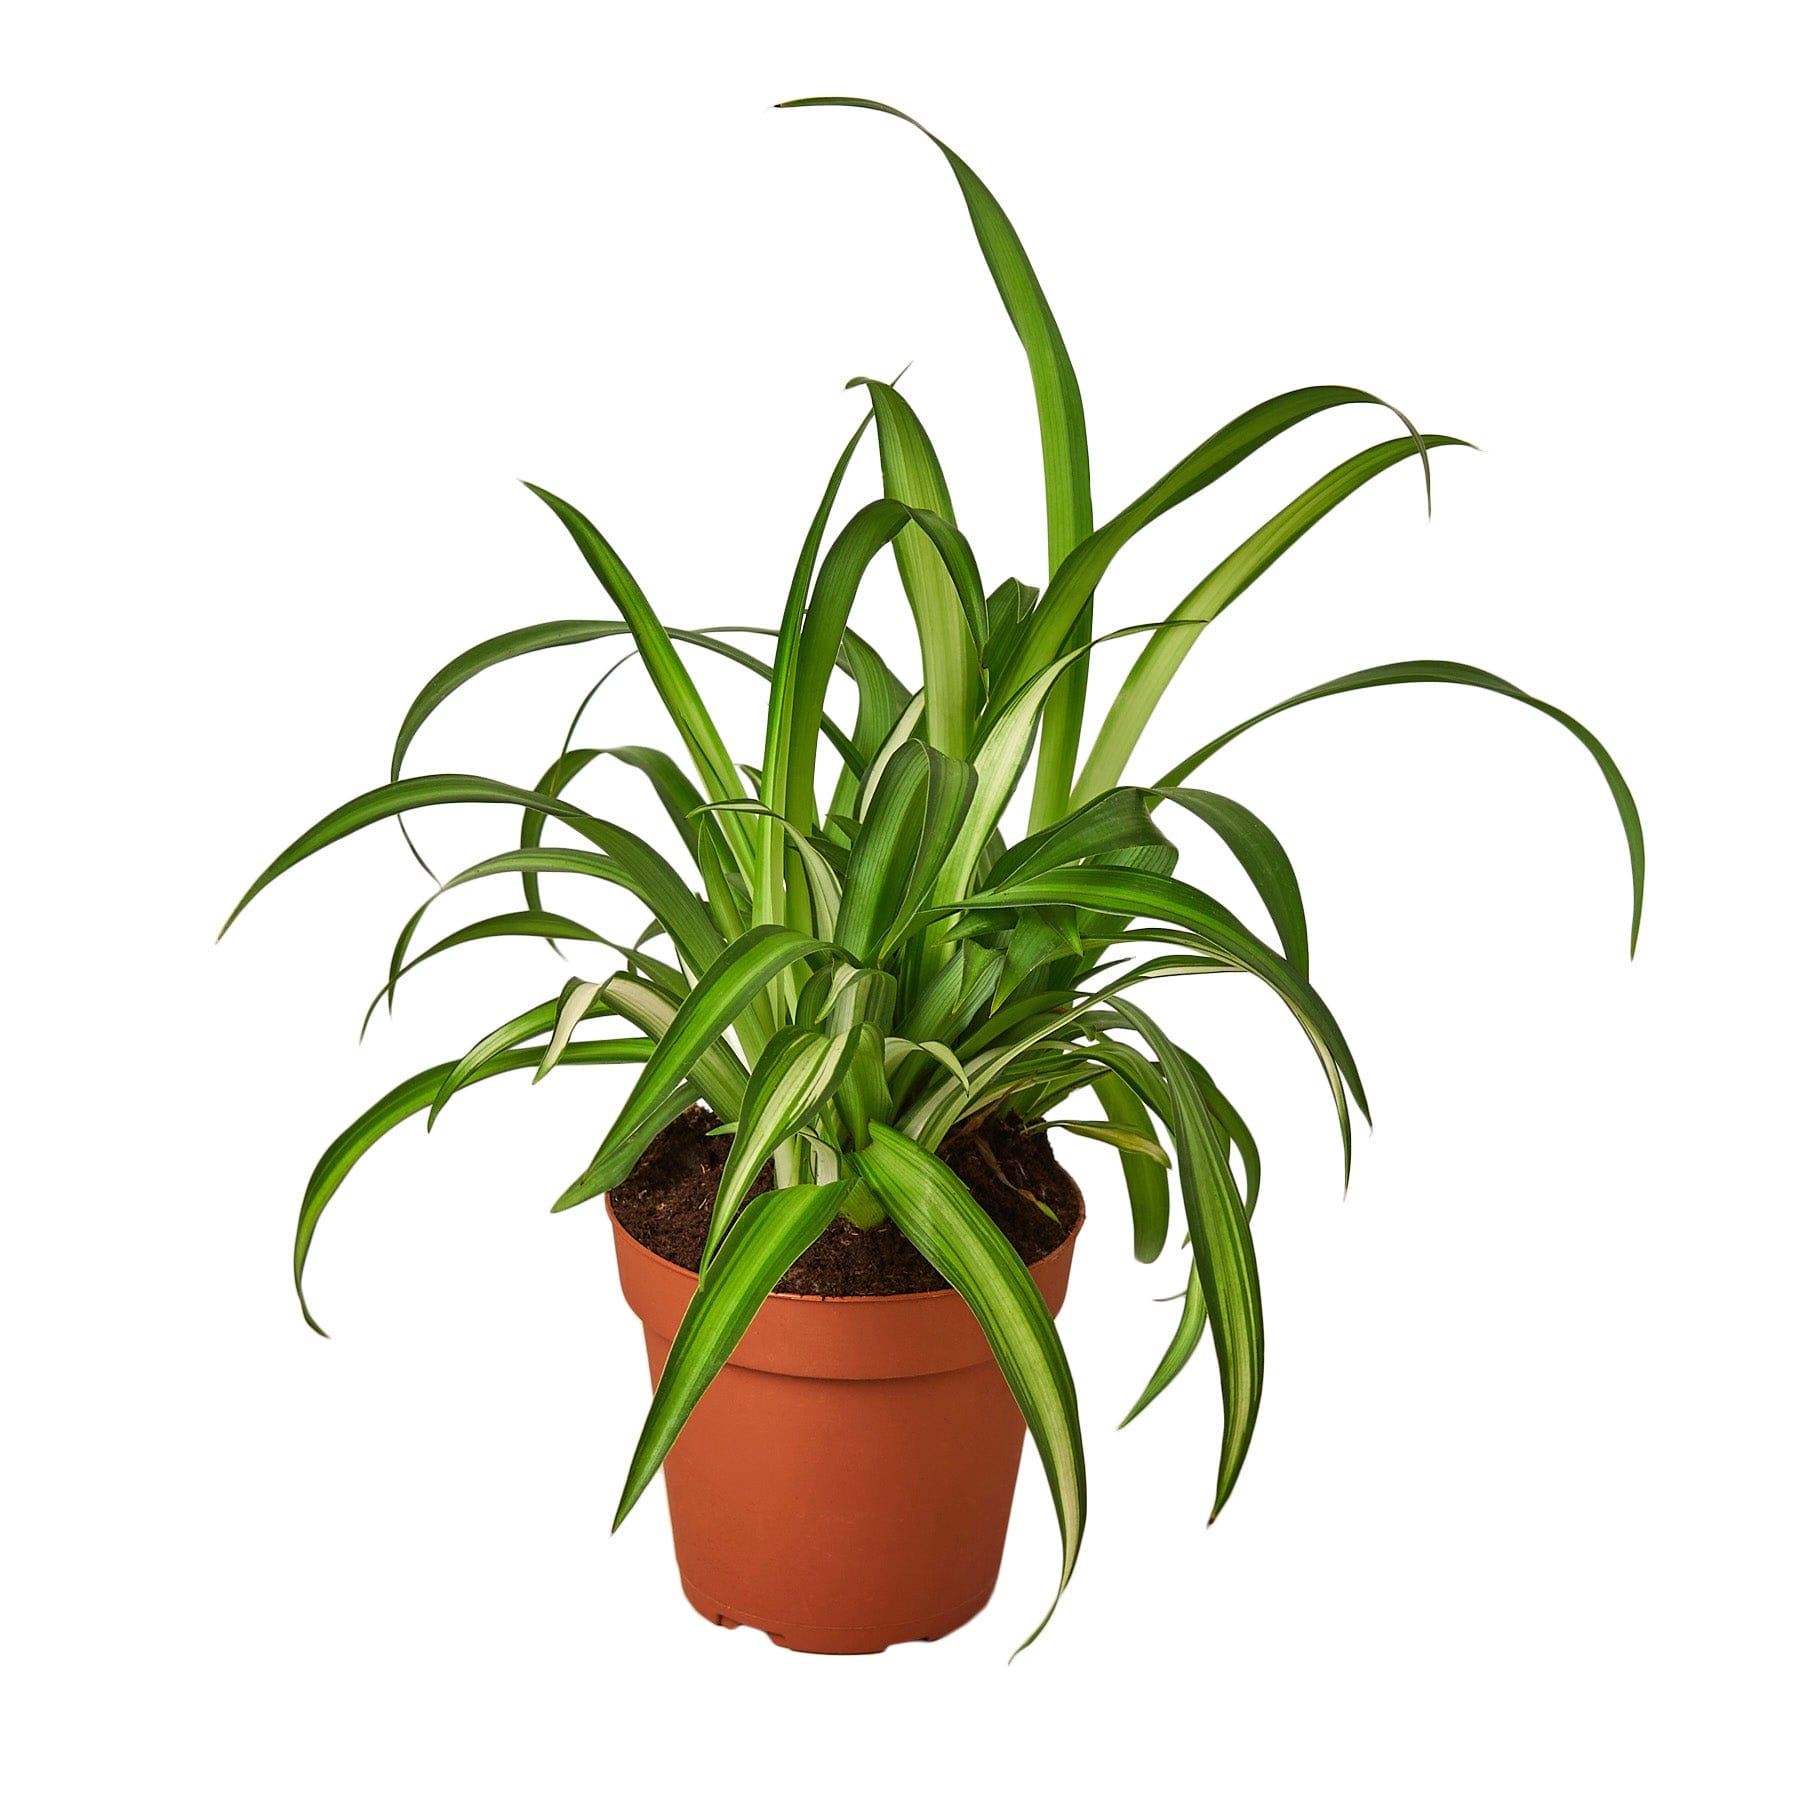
{"type": "Point", "coordinates": [666, 1201]}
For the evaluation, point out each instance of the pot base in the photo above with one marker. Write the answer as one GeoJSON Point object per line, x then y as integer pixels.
{"type": "Point", "coordinates": [835, 1640]}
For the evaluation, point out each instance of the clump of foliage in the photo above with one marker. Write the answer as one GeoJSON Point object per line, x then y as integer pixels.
{"type": "Point", "coordinates": [851, 968]}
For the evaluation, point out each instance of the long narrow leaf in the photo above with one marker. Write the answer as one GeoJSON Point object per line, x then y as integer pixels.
{"type": "Point", "coordinates": [1158, 661]}
{"type": "Point", "coordinates": [774, 1230]}
{"type": "Point", "coordinates": [769, 897]}
{"type": "Point", "coordinates": [739, 973]}
{"type": "Point", "coordinates": [1140, 895]}
{"type": "Point", "coordinates": [940, 1217]}
{"type": "Point", "coordinates": [1459, 675]}
{"type": "Point", "coordinates": [412, 1096]}
{"type": "Point", "coordinates": [716, 1071]}
{"type": "Point", "coordinates": [515, 924]}
{"type": "Point", "coordinates": [534, 1022]}
{"type": "Point", "coordinates": [1146, 1180]}
{"type": "Point", "coordinates": [1062, 429]}
{"type": "Point", "coordinates": [680, 698]}
{"type": "Point", "coordinates": [1062, 425]}
{"type": "Point", "coordinates": [796, 1074]}
{"type": "Point", "coordinates": [1072, 586]}
{"type": "Point", "coordinates": [823, 890]}
{"type": "Point", "coordinates": [649, 873]}
{"type": "Point", "coordinates": [605, 1173]}
{"type": "Point", "coordinates": [1260, 855]}
{"type": "Point", "coordinates": [951, 613]}
{"type": "Point", "coordinates": [1192, 1324]}
{"type": "Point", "coordinates": [1119, 820]}
{"type": "Point", "coordinates": [1224, 1257]}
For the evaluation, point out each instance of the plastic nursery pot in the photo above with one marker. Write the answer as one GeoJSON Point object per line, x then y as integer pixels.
{"type": "Point", "coordinates": [845, 1483]}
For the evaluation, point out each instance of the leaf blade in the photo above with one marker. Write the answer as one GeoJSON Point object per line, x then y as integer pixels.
{"type": "Point", "coordinates": [774, 1230]}
{"type": "Point", "coordinates": [940, 1217]}
{"type": "Point", "coordinates": [729, 983]}
{"type": "Point", "coordinates": [414, 1095]}
{"type": "Point", "coordinates": [1459, 675]}
{"type": "Point", "coordinates": [1224, 1256]}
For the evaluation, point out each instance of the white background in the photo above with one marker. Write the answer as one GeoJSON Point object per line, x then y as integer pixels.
{"type": "Point", "coordinates": [296, 293]}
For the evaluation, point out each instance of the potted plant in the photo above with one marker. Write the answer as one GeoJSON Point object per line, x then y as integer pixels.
{"type": "Point", "coordinates": [858, 1007]}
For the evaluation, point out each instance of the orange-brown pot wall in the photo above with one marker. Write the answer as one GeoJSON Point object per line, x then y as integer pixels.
{"type": "Point", "coordinates": [845, 1482]}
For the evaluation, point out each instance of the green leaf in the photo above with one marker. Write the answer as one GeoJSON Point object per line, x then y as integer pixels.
{"type": "Point", "coordinates": [1119, 820]}
{"type": "Point", "coordinates": [798, 710]}
{"type": "Point", "coordinates": [729, 983]}
{"type": "Point", "coordinates": [1224, 1257]}
{"type": "Point", "coordinates": [880, 700]}
{"type": "Point", "coordinates": [656, 880]}
{"type": "Point", "coordinates": [412, 1096]}
{"type": "Point", "coordinates": [727, 896]}
{"type": "Point", "coordinates": [680, 698]}
{"type": "Point", "coordinates": [1062, 425]}
{"type": "Point", "coordinates": [534, 860]}
{"type": "Point", "coordinates": [1043, 937]}
{"type": "Point", "coordinates": [515, 924]}
{"type": "Point", "coordinates": [822, 887]}
{"type": "Point", "coordinates": [799, 1070]}
{"type": "Point", "coordinates": [529, 1024]}
{"type": "Point", "coordinates": [1008, 607]}
{"type": "Point", "coordinates": [919, 804]}
{"type": "Point", "coordinates": [1139, 1144]}
{"type": "Point", "coordinates": [648, 872]}
{"type": "Point", "coordinates": [865, 1098]}
{"type": "Point", "coordinates": [606, 1172]}
{"type": "Point", "coordinates": [946, 1058]}
{"type": "Point", "coordinates": [716, 1072]}
{"type": "Point", "coordinates": [1231, 1123]}
{"type": "Point", "coordinates": [841, 995]}
{"type": "Point", "coordinates": [1262, 858]}
{"type": "Point", "coordinates": [1074, 582]}
{"type": "Point", "coordinates": [386, 803]}
{"type": "Point", "coordinates": [1460, 675]}
{"type": "Point", "coordinates": [1146, 1178]}
{"type": "Point", "coordinates": [1157, 662]}
{"type": "Point", "coordinates": [1188, 1331]}
{"type": "Point", "coordinates": [1000, 758]}
{"type": "Point", "coordinates": [1062, 429]}
{"type": "Point", "coordinates": [998, 1071]}
{"type": "Point", "coordinates": [775, 1229]}
{"type": "Point", "coordinates": [533, 1022]}
{"type": "Point", "coordinates": [797, 703]}
{"type": "Point", "coordinates": [769, 895]}
{"type": "Point", "coordinates": [904, 730]}
{"type": "Point", "coordinates": [999, 761]}
{"type": "Point", "coordinates": [680, 799]}
{"type": "Point", "coordinates": [1062, 613]}
{"type": "Point", "coordinates": [578, 1001]}
{"type": "Point", "coordinates": [556, 860]}
{"type": "Point", "coordinates": [951, 610]}
{"type": "Point", "coordinates": [557, 634]}
{"type": "Point", "coordinates": [1139, 895]}
{"type": "Point", "coordinates": [1193, 1302]}
{"type": "Point", "coordinates": [945, 1224]}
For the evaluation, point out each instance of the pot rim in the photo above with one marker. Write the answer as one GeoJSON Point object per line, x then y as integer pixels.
{"type": "Point", "coordinates": [917, 1294]}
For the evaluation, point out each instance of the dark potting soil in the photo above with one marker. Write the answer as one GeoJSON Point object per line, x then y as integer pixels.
{"type": "Point", "coordinates": [666, 1201]}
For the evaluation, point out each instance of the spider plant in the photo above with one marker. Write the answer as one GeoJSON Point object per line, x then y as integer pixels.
{"type": "Point", "coordinates": [851, 967]}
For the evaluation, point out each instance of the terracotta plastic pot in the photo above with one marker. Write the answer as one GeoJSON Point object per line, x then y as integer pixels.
{"type": "Point", "coordinates": [845, 1482]}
